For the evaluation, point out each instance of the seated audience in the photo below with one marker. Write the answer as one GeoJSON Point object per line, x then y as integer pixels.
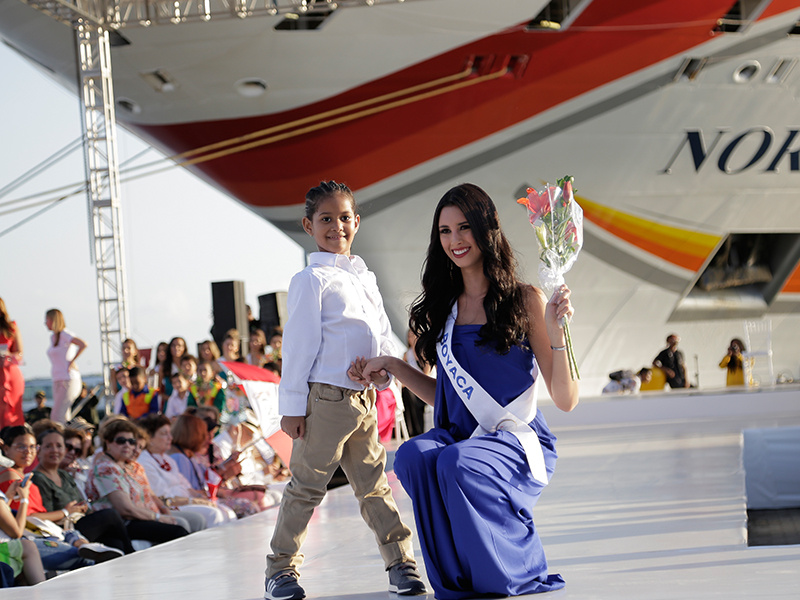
{"type": "Point", "coordinates": [139, 400]}
{"type": "Point", "coordinates": [179, 399]}
{"type": "Point", "coordinates": [75, 551]}
{"type": "Point", "coordinates": [110, 486]}
{"type": "Point", "coordinates": [18, 553]}
{"type": "Point", "coordinates": [208, 351]}
{"type": "Point", "coordinates": [258, 346]}
{"type": "Point", "coordinates": [166, 479]}
{"type": "Point", "coordinates": [207, 390]}
{"type": "Point", "coordinates": [191, 439]}
{"type": "Point", "coordinates": [123, 379]}
{"type": "Point", "coordinates": [60, 492]}
{"type": "Point", "coordinates": [40, 411]}
{"type": "Point", "coordinates": [188, 367]}
{"type": "Point", "coordinates": [191, 522]}
{"type": "Point", "coordinates": [231, 347]}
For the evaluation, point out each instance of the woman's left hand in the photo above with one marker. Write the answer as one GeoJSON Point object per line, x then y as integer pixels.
{"type": "Point", "coordinates": [558, 307]}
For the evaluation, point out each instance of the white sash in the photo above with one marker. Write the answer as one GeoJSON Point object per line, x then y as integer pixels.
{"type": "Point", "coordinates": [492, 417]}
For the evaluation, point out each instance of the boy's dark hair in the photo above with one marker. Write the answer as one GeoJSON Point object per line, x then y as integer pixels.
{"type": "Point", "coordinates": [324, 190]}
{"type": "Point", "coordinates": [188, 358]}
{"type": "Point", "coordinates": [136, 372]}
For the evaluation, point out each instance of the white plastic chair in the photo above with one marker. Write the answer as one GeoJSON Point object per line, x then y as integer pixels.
{"type": "Point", "coordinates": [758, 370]}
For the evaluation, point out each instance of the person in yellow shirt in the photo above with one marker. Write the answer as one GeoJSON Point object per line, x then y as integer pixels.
{"type": "Point", "coordinates": [734, 362]}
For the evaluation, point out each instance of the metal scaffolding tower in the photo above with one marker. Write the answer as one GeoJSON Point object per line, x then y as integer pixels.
{"type": "Point", "coordinates": [92, 20]}
{"type": "Point", "coordinates": [102, 173]}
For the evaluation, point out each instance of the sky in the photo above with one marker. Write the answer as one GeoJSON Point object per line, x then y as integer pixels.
{"type": "Point", "coordinates": [180, 234]}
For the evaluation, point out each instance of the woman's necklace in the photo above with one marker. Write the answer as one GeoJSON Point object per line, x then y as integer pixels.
{"type": "Point", "coordinates": [164, 465]}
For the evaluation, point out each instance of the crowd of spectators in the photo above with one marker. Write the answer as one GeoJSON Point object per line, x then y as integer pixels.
{"type": "Point", "coordinates": [167, 458]}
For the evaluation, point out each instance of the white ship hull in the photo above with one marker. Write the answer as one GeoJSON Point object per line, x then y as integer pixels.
{"type": "Point", "coordinates": [403, 101]}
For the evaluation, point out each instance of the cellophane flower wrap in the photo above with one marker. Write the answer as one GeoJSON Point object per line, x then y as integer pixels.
{"type": "Point", "coordinates": [557, 221]}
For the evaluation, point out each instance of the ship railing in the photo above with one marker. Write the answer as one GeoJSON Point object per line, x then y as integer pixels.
{"type": "Point", "coordinates": [116, 14]}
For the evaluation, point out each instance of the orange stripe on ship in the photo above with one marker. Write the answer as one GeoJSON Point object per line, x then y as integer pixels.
{"type": "Point", "coordinates": [682, 247]}
{"type": "Point", "coordinates": [792, 285]}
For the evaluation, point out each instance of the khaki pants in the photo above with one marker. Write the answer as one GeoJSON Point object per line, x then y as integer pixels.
{"type": "Point", "coordinates": [341, 429]}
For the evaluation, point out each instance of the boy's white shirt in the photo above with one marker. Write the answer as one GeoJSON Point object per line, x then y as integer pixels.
{"type": "Point", "coordinates": [321, 340]}
{"type": "Point", "coordinates": [176, 405]}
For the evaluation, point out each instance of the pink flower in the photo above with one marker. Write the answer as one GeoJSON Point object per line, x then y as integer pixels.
{"type": "Point", "coordinates": [571, 234]}
{"type": "Point", "coordinates": [538, 204]}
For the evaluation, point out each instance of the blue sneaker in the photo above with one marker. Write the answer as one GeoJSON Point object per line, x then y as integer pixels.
{"type": "Point", "coordinates": [284, 586]}
{"type": "Point", "coordinates": [404, 579]}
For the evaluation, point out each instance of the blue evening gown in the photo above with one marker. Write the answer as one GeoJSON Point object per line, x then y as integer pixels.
{"type": "Point", "coordinates": [473, 498]}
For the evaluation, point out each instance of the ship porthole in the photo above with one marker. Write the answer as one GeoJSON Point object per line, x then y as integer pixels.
{"type": "Point", "coordinates": [747, 71]}
{"type": "Point", "coordinates": [129, 106]}
{"type": "Point", "coordinates": [251, 88]}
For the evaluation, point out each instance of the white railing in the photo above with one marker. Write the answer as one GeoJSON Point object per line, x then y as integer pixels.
{"type": "Point", "coordinates": [144, 13]}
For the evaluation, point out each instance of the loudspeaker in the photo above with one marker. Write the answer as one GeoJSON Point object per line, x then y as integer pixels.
{"type": "Point", "coordinates": [230, 310]}
{"type": "Point", "coordinates": [273, 311]}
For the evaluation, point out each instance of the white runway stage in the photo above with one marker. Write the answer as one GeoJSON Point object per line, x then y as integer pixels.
{"type": "Point", "coordinates": [647, 503]}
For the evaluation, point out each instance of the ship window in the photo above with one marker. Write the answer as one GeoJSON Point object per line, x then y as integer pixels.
{"type": "Point", "coordinates": [743, 278]}
{"type": "Point", "coordinates": [558, 14]}
{"type": "Point", "coordinates": [740, 15]}
{"type": "Point", "coordinates": [129, 106]}
{"type": "Point", "coordinates": [305, 21]}
{"type": "Point", "coordinates": [747, 71]}
{"type": "Point", "coordinates": [690, 69]}
{"type": "Point", "coordinates": [781, 70]}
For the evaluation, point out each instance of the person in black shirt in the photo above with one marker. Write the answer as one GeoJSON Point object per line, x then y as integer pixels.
{"type": "Point", "coordinates": [671, 361]}
{"type": "Point", "coordinates": [40, 412]}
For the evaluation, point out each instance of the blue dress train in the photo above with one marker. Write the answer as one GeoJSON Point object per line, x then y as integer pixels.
{"type": "Point", "coordinates": [473, 498]}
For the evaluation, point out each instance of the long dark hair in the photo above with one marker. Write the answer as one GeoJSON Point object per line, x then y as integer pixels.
{"type": "Point", "coordinates": [442, 282]}
{"type": "Point", "coordinates": [167, 368]}
{"type": "Point", "coordinates": [736, 363]}
{"type": "Point", "coordinates": [6, 328]}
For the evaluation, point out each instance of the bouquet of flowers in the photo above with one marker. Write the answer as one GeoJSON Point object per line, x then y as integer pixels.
{"type": "Point", "coordinates": [557, 221]}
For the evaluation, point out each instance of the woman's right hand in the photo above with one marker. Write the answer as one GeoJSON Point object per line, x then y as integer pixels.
{"type": "Point", "coordinates": [372, 371]}
{"type": "Point", "coordinates": [16, 491]}
{"type": "Point", "coordinates": [76, 507]}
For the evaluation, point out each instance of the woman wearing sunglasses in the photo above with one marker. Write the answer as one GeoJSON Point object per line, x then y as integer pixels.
{"type": "Point", "coordinates": [60, 492]}
{"type": "Point", "coordinates": [110, 486]}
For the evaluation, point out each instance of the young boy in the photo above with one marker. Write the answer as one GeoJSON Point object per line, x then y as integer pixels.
{"type": "Point", "coordinates": [179, 400]}
{"type": "Point", "coordinates": [139, 400]}
{"type": "Point", "coordinates": [336, 315]}
{"type": "Point", "coordinates": [188, 367]}
{"type": "Point", "coordinates": [123, 378]}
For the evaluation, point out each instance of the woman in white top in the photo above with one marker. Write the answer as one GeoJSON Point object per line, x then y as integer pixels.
{"type": "Point", "coordinates": [63, 351]}
{"type": "Point", "coordinates": [166, 479]}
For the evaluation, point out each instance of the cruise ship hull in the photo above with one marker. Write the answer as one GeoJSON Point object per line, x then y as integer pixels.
{"type": "Point", "coordinates": [681, 135]}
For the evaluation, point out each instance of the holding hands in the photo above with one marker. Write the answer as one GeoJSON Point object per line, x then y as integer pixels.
{"type": "Point", "coordinates": [369, 371]}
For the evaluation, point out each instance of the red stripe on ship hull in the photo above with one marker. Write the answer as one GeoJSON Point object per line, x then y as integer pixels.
{"type": "Point", "coordinates": [562, 66]}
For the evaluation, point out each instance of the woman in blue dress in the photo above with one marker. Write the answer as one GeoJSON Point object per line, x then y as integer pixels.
{"type": "Point", "coordinates": [475, 477]}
